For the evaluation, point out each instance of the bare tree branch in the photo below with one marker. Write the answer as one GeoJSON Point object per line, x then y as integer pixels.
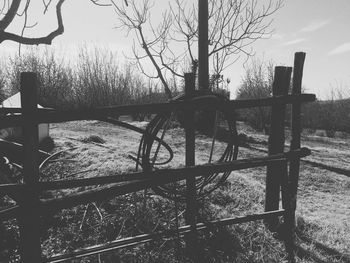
{"type": "Point", "coordinates": [10, 11]}
{"type": "Point", "coordinates": [19, 38]}
{"type": "Point", "coordinates": [10, 14]}
{"type": "Point", "coordinates": [233, 26]}
{"type": "Point", "coordinates": [136, 21]}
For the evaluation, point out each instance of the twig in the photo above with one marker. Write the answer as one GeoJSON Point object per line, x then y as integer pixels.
{"type": "Point", "coordinates": [95, 143]}
{"type": "Point", "coordinates": [83, 219]}
{"type": "Point", "coordinates": [121, 229]}
{"type": "Point", "coordinates": [64, 160]}
{"type": "Point", "coordinates": [84, 171]}
{"type": "Point", "coordinates": [54, 155]}
{"type": "Point", "coordinates": [98, 210]}
{"type": "Point", "coordinates": [180, 214]}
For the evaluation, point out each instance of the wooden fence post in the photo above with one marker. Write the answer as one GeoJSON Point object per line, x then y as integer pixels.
{"type": "Point", "coordinates": [275, 172]}
{"type": "Point", "coordinates": [294, 166]}
{"type": "Point", "coordinates": [203, 60]}
{"type": "Point", "coordinates": [191, 202]}
{"type": "Point", "coordinates": [29, 224]}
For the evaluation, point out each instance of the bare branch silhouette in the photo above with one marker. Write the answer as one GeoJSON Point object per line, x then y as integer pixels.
{"type": "Point", "coordinates": [171, 46]}
{"type": "Point", "coordinates": [10, 15]}
{"type": "Point", "coordinates": [11, 9]}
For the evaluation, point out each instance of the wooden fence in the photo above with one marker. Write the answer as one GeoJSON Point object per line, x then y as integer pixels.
{"type": "Point", "coordinates": [282, 167]}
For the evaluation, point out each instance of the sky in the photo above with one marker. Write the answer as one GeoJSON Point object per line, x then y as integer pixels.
{"type": "Point", "coordinates": [317, 27]}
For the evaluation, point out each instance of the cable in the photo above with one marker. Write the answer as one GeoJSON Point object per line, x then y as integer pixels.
{"type": "Point", "coordinates": [207, 182]}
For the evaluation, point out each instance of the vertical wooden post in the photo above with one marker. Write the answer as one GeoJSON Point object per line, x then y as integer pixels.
{"type": "Point", "coordinates": [275, 172]}
{"type": "Point", "coordinates": [191, 202]}
{"type": "Point", "coordinates": [294, 167]}
{"type": "Point", "coordinates": [30, 246]}
{"type": "Point", "coordinates": [203, 60]}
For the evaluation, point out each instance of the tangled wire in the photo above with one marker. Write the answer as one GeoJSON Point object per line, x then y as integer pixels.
{"type": "Point", "coordinates": [153, 137]}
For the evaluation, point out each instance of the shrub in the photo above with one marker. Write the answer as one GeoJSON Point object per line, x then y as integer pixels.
{"type": "Point", "coordinates": [95, 79]}
{"type": "Point", "coordinates": [3, 90]}
{"type": "Point", "coordinates": [256, 84]}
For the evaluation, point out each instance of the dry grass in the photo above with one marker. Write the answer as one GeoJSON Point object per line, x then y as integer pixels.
{"type": "Point", "coordinates": [323, 206]}
{"type": "Point", "coordinates": [247, 243]}
{"type": "Point", "coordinates": [323, 196]}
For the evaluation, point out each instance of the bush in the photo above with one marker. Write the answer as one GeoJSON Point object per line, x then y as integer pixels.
{"type": "Point", "coordinates": [256, 84]}
{"type": "Point", "coordinates": [95, 79]}
{"type": "Point", "coordinates": [3, 83]}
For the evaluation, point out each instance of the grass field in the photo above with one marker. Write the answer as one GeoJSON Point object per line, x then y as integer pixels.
{"type": "Point", "coordinates": [323, 201]}
{"type": "Point", "coordinates": [324, 196]}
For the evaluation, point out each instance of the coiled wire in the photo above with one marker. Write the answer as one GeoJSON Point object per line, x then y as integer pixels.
{"type": "Point", "coordinates": [206, 183]}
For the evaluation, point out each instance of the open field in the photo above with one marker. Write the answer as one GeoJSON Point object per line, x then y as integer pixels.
{"type": "Point", "coordinates": [323, 204]}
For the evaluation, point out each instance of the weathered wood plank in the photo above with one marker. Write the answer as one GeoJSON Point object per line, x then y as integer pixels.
{"type": "Point", "coordinates": [176, 173]}
{"type": "Point", "coordinates": [191, 199]}
{"type": "Point", "coordinates": [121, 189]}
{"type": "Point", "coordinates": [53, 116]}
{"type": "Point", "coordinates": [30, 247]}
{"type": "Point", "coordinates": [294, 166]}
{"type": "Point", "coordinates": [276, 172]}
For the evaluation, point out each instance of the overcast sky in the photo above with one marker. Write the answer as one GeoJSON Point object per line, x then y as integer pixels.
{"type": "Point", "coordinates": [318, 27]}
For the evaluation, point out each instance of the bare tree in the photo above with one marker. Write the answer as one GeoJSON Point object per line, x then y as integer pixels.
{"type": "Point", "coordinates": [171, 45]}
{"type": "Point", "coordinates": [12, 10]}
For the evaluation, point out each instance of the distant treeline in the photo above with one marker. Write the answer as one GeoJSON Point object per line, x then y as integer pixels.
{"type": "Point", "coordinates": [95, 78]}
{"type": "Point", "coordinates": [330, 115]}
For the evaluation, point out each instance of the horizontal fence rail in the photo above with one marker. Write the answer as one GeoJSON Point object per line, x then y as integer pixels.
{"type": "Point", "coordinates": [136, 182]}
{"type": "Point", "coordinates": [176, 173]}
{"type": "Point", "coordinates": [208, 102]}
